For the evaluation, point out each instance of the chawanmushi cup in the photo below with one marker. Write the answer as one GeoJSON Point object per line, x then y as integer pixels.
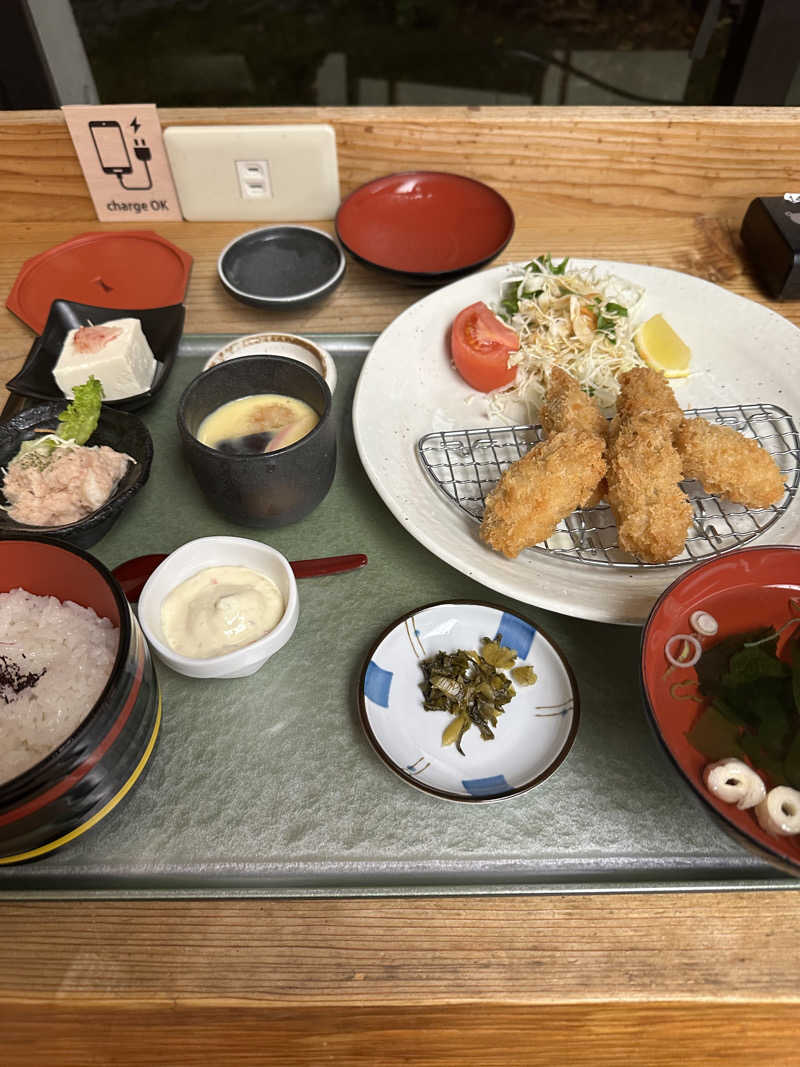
{"type": "Point", "coordinates": [87, 775]}
{"type": "Point", "coordinates": [274, 488]}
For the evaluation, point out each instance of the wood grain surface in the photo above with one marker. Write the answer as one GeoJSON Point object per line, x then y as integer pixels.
{"type": "Point", "coordinates": [199, 1034]}
{"type": "Point", "coordinates": [656, 978]}
{"type": "Point", "coordinates": [366, 302]}
{"type": "Point", "coordinates": [647, 978]}
{"type": "Point", "coordinates": [643, 161]}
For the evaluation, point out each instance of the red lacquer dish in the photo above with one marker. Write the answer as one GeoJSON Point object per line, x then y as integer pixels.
{"type": "Point", "coordinates": [743, 591]}
{"type": "Point", "coordinates": [118, 269]}
{"type": "Point", "coordinates": [425, 227]}
{"type": "Point", "coordinates": [82, 780]}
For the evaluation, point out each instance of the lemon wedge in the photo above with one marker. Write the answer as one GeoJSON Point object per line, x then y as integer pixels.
{"type": "Point", "coordinates": [661, 348]}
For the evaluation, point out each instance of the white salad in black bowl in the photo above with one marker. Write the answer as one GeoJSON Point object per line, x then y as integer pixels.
{"type": "Point", "coordinates": [69, 471]}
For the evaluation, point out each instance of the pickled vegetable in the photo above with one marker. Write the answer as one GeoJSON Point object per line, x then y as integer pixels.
{"type": "Point", "coordinates": [524, 675]}
{"type": "Point", "coordinates": [472, 687]}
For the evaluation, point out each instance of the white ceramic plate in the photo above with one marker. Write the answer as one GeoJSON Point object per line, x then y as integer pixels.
{"type": "Point", "coordinates": [742, 352]}
{"type": "Point", "coordinates": [532, 737]}
{"type": "Point", "coordinates": [279, 344]}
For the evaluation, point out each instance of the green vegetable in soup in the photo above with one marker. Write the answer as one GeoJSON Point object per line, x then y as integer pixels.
{"type": "Point", "coordinates": [714, 736]}
{"type": "Point", "coordinates": [753, 699]}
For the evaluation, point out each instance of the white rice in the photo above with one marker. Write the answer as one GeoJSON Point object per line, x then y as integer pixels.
{"type": "Point", "coordinates": [71, 649]}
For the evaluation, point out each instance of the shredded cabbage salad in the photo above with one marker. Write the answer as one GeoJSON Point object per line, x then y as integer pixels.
{"type": "Point", "coordinates": [580, 320]}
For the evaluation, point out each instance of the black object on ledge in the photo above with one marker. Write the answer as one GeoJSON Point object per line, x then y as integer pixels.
{"type": "Point", "coordinates": [771, 234]}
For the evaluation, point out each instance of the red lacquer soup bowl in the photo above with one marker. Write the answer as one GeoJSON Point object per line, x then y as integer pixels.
{"type": "Point", "coordinates": [425, 227]}
{"type": "Point", "coordinates": [81, 781]}
{"type": "Point", "coordinates": [744, 591]}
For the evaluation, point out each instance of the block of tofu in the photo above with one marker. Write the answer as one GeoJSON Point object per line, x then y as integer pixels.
{"type": "Point", "coordinates": [116, 353]}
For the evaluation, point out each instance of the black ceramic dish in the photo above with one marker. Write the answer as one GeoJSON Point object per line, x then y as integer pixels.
{"type": "Point", "coordinates": [82, 780]}
{"type": "Point", "coordinates": [274, 488]}
{"type": "Point", "coordinates": [161, 326]}
{"type": "Point", "coordinates": [281, 267]}
{"type": "Point", "coordinates": [119, 430]}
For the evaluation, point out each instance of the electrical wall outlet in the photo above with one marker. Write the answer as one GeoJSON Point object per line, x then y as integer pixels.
{"type": "Point", "coordinates": [265, 173]}
{"type": "Point", "coordinates": [254, 180]}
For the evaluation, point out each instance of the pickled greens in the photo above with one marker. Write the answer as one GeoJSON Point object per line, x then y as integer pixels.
{"type": "Point", "coordinates": [472, 687]}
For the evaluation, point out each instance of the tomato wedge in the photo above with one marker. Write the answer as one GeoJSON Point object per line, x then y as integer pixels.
{"type": "Point", "coordinates": [480, 345]}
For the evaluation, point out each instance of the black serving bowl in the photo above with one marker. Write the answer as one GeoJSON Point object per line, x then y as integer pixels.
{"type": "Point", "coordinates": [162, 328]}
{"type": "Point", "coordinates": [275, 488]}
{"type": "Point", "coordinates": [281, 268]}
{"type": "Point", "coordinates": [88, 774]}
{"type": "Point", "coordinates": [119, 430]}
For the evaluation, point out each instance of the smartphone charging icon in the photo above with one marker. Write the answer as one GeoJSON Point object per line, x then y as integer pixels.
{"type": "Point", "coordinates": [109, 144]}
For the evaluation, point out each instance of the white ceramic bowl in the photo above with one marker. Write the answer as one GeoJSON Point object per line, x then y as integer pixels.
{"type": "Point", "coordinates": [195, 556]}
{"type": "Point", "coordinates": [290, 345]}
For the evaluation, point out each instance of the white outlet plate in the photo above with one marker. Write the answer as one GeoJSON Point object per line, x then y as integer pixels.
{"type": "Point", "coordinates": [301, 168]}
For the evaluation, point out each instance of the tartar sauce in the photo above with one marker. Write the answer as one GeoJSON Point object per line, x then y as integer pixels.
{"type": "Point", "coordinates": [220, 609]}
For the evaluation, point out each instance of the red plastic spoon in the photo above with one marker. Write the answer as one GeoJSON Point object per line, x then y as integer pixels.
{"type": "Point", "coordinates": [133, 573]}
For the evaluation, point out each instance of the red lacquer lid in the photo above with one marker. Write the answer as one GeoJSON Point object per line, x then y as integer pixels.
{"type": "Point", "coordinates": [126, 269]}
{"type": "Point", "coordinates": [425, 223]}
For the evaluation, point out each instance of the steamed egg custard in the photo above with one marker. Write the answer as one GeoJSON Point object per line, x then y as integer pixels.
{"type": "Point", "coordinates": [256, 424]}
{"type": "Point", "coordinates": [220, 609]}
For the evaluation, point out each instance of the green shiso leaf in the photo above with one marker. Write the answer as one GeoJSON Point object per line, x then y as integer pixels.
{"type": "Point", "coordinates": [79, 421]}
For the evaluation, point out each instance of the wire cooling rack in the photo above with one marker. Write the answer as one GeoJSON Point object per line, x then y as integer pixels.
{"type": "Point", "coordinates": [465, 465]}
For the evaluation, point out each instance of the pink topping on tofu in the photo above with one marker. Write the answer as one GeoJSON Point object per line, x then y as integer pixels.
{"type": "Point", "coordinates": [75, 482]}
{"type": "Point", "coordinates": [91, 339]}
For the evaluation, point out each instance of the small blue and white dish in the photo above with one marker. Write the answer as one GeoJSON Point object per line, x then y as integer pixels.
{"type": "Point", "coordinates": [532, 736]}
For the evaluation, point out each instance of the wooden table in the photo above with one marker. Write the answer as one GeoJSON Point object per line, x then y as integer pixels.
{"type": "Point", "coordinates": [649, 978]}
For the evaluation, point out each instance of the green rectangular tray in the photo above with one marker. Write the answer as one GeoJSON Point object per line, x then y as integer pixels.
{"type": "Point", "coordinates": [266, 786]}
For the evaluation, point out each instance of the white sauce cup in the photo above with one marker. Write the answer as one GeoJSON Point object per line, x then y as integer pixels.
{"type": "Point", "coordinates": [196, 556]}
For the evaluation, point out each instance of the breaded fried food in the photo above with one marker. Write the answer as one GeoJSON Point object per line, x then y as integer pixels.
{"type": "Point", "coordinates": [644, 468]}
{"type": "Point", "coordinates": [729, 464]}
{"type": "Point", "coordinates": [566, 406]}
{"type": "Point", "coordinates": [644, 391]}
{"type": "Point", "coordinates": [545, 485]}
